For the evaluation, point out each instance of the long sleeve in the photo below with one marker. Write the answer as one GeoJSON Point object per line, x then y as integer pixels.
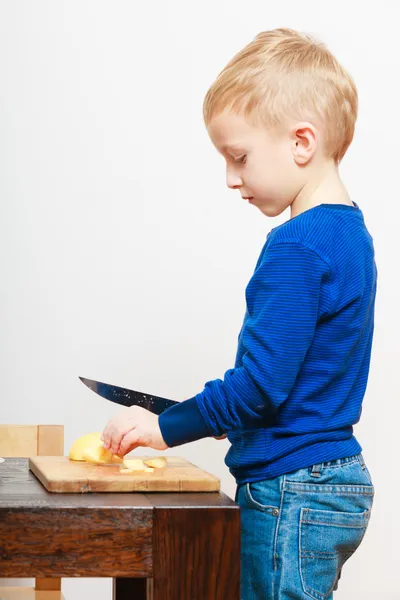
{"type": "Point", "coordinates": [283, 307]}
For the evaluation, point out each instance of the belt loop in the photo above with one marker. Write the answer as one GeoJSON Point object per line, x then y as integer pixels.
{"type": "Point", "coordinates": [361, 461]}
{"type": "Point", "coordinates": [316, 470]}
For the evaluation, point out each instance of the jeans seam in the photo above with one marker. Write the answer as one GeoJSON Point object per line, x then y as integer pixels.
{"type": "Point", "coordinates": [329, 488]}
{"type": "Point", "coordinates": [334, 525]}
{"type": "Point", "coordinates": [303, 583]}
{"type": "Point", "coordinates": [274, 578]}
{"type": "Point", "coordinates": [338, 466]}
{"type": "Point", "coordinates": [307, 589]}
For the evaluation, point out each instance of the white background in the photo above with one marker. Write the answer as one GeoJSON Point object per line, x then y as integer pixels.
{"type": "Point", "coordinates": [124, 256]}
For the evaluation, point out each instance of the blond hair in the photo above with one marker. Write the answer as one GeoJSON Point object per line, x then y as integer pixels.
{"type": "Point", "coordinates": [283, 73]}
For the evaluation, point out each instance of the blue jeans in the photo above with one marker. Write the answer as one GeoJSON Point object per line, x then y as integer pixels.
{"type": "Point", "coordinates": [299, 529]}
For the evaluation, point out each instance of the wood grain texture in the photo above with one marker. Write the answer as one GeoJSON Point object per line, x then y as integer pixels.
{"type": "Point", "coordinates": [21, 489]}
{"type": "Point", "coordinates": [160, 546]}
{"type": "Point", "coordinates": [71, 543]}
{"type": "Point", "coordinates": [61, 475]}
{"type": "Point", "coordinates": [196, 554]}
{"type": "Point", "coordinates": [25, 441]}
{"type": "Point", "coordinates": [55, 535]}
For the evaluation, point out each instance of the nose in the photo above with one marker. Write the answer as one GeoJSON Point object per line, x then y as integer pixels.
{"type": "Point", "coordinates": [233, 181]}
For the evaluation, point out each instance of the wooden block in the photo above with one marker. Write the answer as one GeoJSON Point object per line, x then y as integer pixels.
{"type": "Point", "coordinates": [48, 584]}
{"type": "Point", "coordinates": [23, 441]}
{"type": "Point", "coordinates": [18, 440]}
{"type": "Point", "coordinates": [60, 475]}
{"type": "Point", "coordinates": [50, 441]}
{"type": "Point", "coordinates": [28, 593]}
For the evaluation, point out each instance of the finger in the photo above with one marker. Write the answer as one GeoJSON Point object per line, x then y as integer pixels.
{"type": "Point", "coordinates": [109, 433]}
{"type": "Point", "coordinates": [129, 442]}
{"type": "Point", "coordinates": [116, 438]}
{"type": "Point", "coordinates": [105, 436]}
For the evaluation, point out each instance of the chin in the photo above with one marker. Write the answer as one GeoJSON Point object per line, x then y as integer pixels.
{"type": "Point", "coordinates": [272, 210]}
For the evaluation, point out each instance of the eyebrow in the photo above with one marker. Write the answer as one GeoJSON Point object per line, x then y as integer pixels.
{"type": "Point", "coordinates": [232, 147]}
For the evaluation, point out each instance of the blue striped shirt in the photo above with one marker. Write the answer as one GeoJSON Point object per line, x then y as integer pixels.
{"type": "Point", "coordinates": [303, 354]}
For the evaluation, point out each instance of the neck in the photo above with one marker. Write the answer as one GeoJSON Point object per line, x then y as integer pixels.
{"type": "Point", "coordinates": [325, 187]}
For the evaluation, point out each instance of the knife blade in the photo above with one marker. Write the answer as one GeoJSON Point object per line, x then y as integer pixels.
{"type": "Point", "coordinates": [126, 397]}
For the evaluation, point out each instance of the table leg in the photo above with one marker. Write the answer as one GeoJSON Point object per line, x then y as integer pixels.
{"type": "Point", "coordinates": [196, 554]}
{"type": "Point", "coordinates": [126, 588]}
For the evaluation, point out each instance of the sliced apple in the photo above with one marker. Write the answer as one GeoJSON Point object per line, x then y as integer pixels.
{"type": "Point", "coordinates": [134, 464]}
{"type": "Point", "coordinates": [97, 455]}
{"type": "Point", "coordinates": [145, 470]}
{"type": "Point", "coordinates": [158, 462]}
{"type": "Point", "coordinates": [89, 448]}
{"type": "Point", "coordinates": [116, 459]}
{"type": "Point", "coordinates": [82, 444]}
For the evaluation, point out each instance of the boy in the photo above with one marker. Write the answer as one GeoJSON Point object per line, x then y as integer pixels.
{"type": "Point", "coordinates": [282, 113]}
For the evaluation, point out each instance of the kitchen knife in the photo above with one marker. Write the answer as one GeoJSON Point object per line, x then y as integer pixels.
{"type": "Point", "coordinates": [126, 397]}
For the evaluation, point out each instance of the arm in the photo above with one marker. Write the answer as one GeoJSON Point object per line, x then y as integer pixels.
{"type": "Point", "coordinates": [283, 298]}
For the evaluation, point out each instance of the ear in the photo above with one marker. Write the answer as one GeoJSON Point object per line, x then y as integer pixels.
{"type": "Point", "coordinates": [304, 142]}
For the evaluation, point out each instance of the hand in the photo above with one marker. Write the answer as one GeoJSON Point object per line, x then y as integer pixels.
{"type": "Point", "coordinates": [134, 426]}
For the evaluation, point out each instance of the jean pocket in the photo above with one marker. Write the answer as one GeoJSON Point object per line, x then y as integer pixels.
{"type": "Point", "coordinates": [327, 540]}
{"type": "Point", "coordinates": [256, 499]}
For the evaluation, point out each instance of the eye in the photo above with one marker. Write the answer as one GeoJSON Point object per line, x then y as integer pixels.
{"type": "Point", "coordinates": [241, 160]}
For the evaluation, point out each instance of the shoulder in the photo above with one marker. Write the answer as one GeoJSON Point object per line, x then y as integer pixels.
{"type": "Point", "coordinates": [329, 233]}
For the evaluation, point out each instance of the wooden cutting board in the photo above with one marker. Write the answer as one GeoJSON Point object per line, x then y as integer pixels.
{"type": "Point", "coordinates": [59, 474]}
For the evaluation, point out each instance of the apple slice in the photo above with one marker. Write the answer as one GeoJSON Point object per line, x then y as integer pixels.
{"type": "Point", "coordinates": [91, 446]}
{"type": "Point", "coordinates": [137, 464]}
{"type": "Point", "coordinates": [134, 464]}
{"type": "Point", "coordinates": [97, 455]}
{"type": "Point", "coordinates": [157, 462]}
{"type": "Point", "coordinates": [82, 444]}
{"type": "Point", "coordinates": [130, 470]}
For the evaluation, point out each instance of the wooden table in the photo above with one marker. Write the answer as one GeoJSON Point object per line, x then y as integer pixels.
{"type": "Point", "coordinates": [159, 546]}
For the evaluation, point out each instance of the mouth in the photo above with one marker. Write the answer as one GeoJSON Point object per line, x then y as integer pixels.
{"type": "Point", "coordinates": [247, 197]}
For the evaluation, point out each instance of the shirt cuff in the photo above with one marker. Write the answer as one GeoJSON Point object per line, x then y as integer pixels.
{"type": "Point", "coordinates": [183, 423]}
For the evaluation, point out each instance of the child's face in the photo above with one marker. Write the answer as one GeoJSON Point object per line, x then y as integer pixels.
{"type": "Point", "coordinates": [259, 163]}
